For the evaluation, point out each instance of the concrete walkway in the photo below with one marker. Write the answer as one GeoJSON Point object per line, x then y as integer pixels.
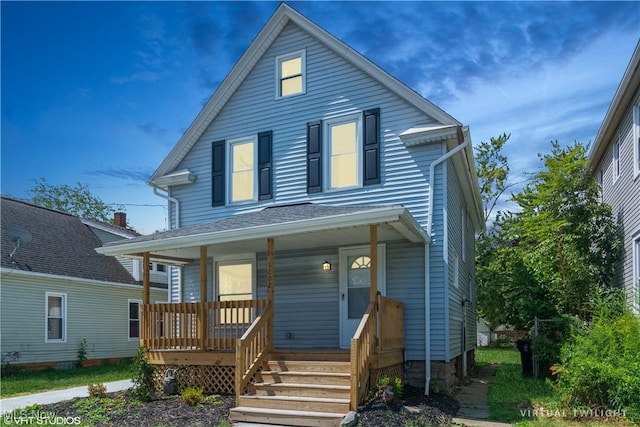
{"type": "Point", "coordinates": [474, 408]}
{"type": "Point", "coordinates": [54, 396]}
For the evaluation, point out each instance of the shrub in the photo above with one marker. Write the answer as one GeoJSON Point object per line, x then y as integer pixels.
{"type": "Point", "coordinates": [390, 389]}
{"type": "Point", "coordinates": [193, 396]}
{"type": "Point", "coordinates": [600, 368]}
{"type": "Point", "coordinates": [97, 390]}
{"type": "Point", "coordinates": [144, 387]}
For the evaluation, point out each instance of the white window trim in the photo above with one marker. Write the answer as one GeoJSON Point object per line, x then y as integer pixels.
{"type": "Point", "coordinates": [464, 235]}
{"type": "Point", "coordinates": [63, 296]}
{"type": "Point", "coordinates": [229, 170]}
{"type": "Point", "coordinates": [456, 271]}
{"type": "Point", "coordinates": [326, 150]}
{"type": "Point", "coordinates": [636, 141]}
{"type": "Point", "coordinates": [615, 159]}
{"type": "Point", "coordinates": [302, 54]}
{"type": "Point", "coordinates": [130, 338]}
{"type": "Point", "coordinates": [236, 261]}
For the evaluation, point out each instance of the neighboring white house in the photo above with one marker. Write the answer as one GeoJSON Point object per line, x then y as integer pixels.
{"type": "Point", "coordinates": [56, 291]}
{"type": "Point", "coordinates": [308, 167]}
{"type": "Point", "coordinates": [615, 163]}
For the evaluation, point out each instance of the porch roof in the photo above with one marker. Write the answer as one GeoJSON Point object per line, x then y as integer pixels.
{"type": "Point", "coordinates": [296, 226]}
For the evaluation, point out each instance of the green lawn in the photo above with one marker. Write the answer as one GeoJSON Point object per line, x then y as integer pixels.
{"type": "Point", "coordinates": [522, 400]}
{"type": "Point", "coordinates": [25, 382]}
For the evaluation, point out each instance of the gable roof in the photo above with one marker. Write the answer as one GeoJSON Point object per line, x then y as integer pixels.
{"type": "Point", "coordinates": [61, 245]}
{"type": "Point", "coordinates": [617, 109]}
{"type": "Point", "coordinates": [283, 15]}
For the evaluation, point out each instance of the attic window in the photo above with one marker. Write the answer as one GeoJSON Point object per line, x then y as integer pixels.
{"type": "Point", "coordinates": [290, 74]}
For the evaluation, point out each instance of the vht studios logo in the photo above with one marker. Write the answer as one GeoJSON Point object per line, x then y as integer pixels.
{"type": "Point", "coordinates": [37, 417]}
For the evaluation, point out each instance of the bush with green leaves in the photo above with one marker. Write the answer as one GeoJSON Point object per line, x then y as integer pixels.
{"type": "Point", "coordinates": [143, 382]}
{"type": "Point", "coordinates": [600, 367]}
{"type": "Point", "coordinates": [193, 396]}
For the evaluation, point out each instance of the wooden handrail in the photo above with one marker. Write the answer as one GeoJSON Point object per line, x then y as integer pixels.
{"type": "Point", "coordinates": [362, 348]}
{"type": "Point", "coordinates": [252, 349]}
{"type": "Point", "coordinates": [212, 325]}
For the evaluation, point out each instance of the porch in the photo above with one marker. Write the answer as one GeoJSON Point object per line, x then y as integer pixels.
{"type": "Point", "coordinates": [227, 346]}
{"type": "Point", "coordinates": [238, 345]}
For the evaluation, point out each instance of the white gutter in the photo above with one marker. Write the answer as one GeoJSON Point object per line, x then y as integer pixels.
{"type": "Point", "coordinates": [173, 200]}
{"type": "Point", "coordinates": [432, 174]}
{"type": "Point", "coordinates": [427, 290]}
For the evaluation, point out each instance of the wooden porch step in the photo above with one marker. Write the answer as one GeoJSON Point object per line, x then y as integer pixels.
{"type": "Point", "coordinates": [306, 390]}
{"type": "Point", "coordinates": [307, 366]}
{"type": "Point", "coordinates": [296, 403]}
{"type": "Point", "coordinates": [285, 417]}
{"type": "Point", "coordinates": [335, 378]}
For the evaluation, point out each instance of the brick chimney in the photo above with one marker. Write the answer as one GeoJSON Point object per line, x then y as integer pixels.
{"type": "Point", "coordinates": [120, 219]}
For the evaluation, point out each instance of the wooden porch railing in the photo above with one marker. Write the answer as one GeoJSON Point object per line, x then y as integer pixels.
{"type": "Point", "coordinates": [213, 325]}
{"type": "Point", "coordinates": [388, 335]}
{"type": "Point", "coordinates": [253, 349]}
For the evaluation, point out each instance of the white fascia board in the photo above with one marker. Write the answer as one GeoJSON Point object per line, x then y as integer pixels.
{"type": "Point", "coordinates": [369, 217]}
{"type": "Point", "coordinates": [10, 272]}
{"type": "Point", "coordinates": [108, 229]}
{"type": "Point", "coordinates": [428, 134]}
{"type": "Point", "coordinates": [181, 177]}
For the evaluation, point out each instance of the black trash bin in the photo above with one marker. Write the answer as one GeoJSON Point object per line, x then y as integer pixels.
{"type": "Point", "coordinates": [526, 356]}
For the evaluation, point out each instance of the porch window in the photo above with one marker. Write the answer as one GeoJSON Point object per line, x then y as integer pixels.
{"type": "Point", "coordinates": [290, 74]}
{"type": "Point", "coordinates": [56, 317]}
{"type": "Point", "coordinates": [134, 319]}
{"type": "Point", "coordinates": [344, 145]}
{"type": "Point", "coordinates": [242, 163]}
{"type": "Point", "coordinates": [235, 282]}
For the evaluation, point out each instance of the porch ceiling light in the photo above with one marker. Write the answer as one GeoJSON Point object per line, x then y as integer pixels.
{"type": "Point", "coordinates": [326, 266]}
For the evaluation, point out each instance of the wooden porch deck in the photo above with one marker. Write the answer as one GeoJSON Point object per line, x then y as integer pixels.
{"type": "Point", "coordinates": [229, 345]}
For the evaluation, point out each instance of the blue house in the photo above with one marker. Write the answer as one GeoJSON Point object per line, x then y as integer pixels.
{"type": "Point", "coordinates": [323, 218]}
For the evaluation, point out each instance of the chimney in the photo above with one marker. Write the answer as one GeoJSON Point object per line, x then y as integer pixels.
{"type": "Point", "coordinates": [120, 219]}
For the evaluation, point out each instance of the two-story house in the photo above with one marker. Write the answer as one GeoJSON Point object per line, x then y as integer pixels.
{"type": "Point", "coordinates": [615, 163]}
{"type": "Point", "coordinates": [323, 218]}
{"type": "Point", "coordinates": [58, 293]}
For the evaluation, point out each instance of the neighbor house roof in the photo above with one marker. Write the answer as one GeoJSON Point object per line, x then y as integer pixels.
{"type": "Point", "coordinates": [619, 106]}
{"type": "Point", "coordinates": [283, 15]}
{"type": "Point", "coordinates": [60, 244]}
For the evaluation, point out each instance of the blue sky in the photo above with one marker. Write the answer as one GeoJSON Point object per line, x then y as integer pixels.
{"type": "Point", "coordinates": [98, 93]}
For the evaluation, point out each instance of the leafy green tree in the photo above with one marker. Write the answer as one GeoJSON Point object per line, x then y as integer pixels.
{"type": "Point", "coordinates": [556, 253]}
{"type": "Point", "coordinates": [76, 200]}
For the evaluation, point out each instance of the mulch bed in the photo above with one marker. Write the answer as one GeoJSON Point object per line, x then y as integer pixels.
{"type": "Point", "coordinates": [119, 409]}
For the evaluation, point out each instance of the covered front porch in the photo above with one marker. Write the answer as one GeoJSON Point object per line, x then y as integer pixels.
{"type": "Point", "coordinates": [224, 344]}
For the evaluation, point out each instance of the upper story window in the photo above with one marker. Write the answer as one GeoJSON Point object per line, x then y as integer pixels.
{"type": "Point", "coordinates": [56, 317]}
{"type": "Point", "coordinates": [242, 170]}
{"type": "Point", "coordinates": [343, 152]}
{"type": "Point", "coordinates": [636, 140]}
{"type": "Point", "coordinates": [290, 74]}
{"type": "Point", "coordinates": [616, 159]}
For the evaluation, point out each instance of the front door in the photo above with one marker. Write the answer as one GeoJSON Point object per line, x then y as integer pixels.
{"type": "Point", "coordinates": [355, 280]}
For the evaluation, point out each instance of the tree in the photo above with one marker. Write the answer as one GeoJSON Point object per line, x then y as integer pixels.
{"type": "Point", "coordinates": [76, 200]}
{"type": "Point", "coordinates": [556, 254]}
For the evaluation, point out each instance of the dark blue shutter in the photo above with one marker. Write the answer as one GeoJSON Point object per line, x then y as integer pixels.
{"type": "Point", "coordinates": [314, 157]}
{"type": "Point", "coordinates": [217, 173]}
{"type": "Point", "coordinates": [371, 147]}
{"type": "Point", "coordinates": [265, 168]}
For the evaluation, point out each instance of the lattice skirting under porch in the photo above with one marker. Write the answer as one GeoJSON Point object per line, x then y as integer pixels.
{"type": "Point", "coordinates": [212, 379]}
{"type": "Point", "coordinates": [392, 371]}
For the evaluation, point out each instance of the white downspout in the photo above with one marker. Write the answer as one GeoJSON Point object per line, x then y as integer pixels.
{"type": "Point", "coordinates": [176, 203]}
{"type": "Point", "coordinates": [427, 308]}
